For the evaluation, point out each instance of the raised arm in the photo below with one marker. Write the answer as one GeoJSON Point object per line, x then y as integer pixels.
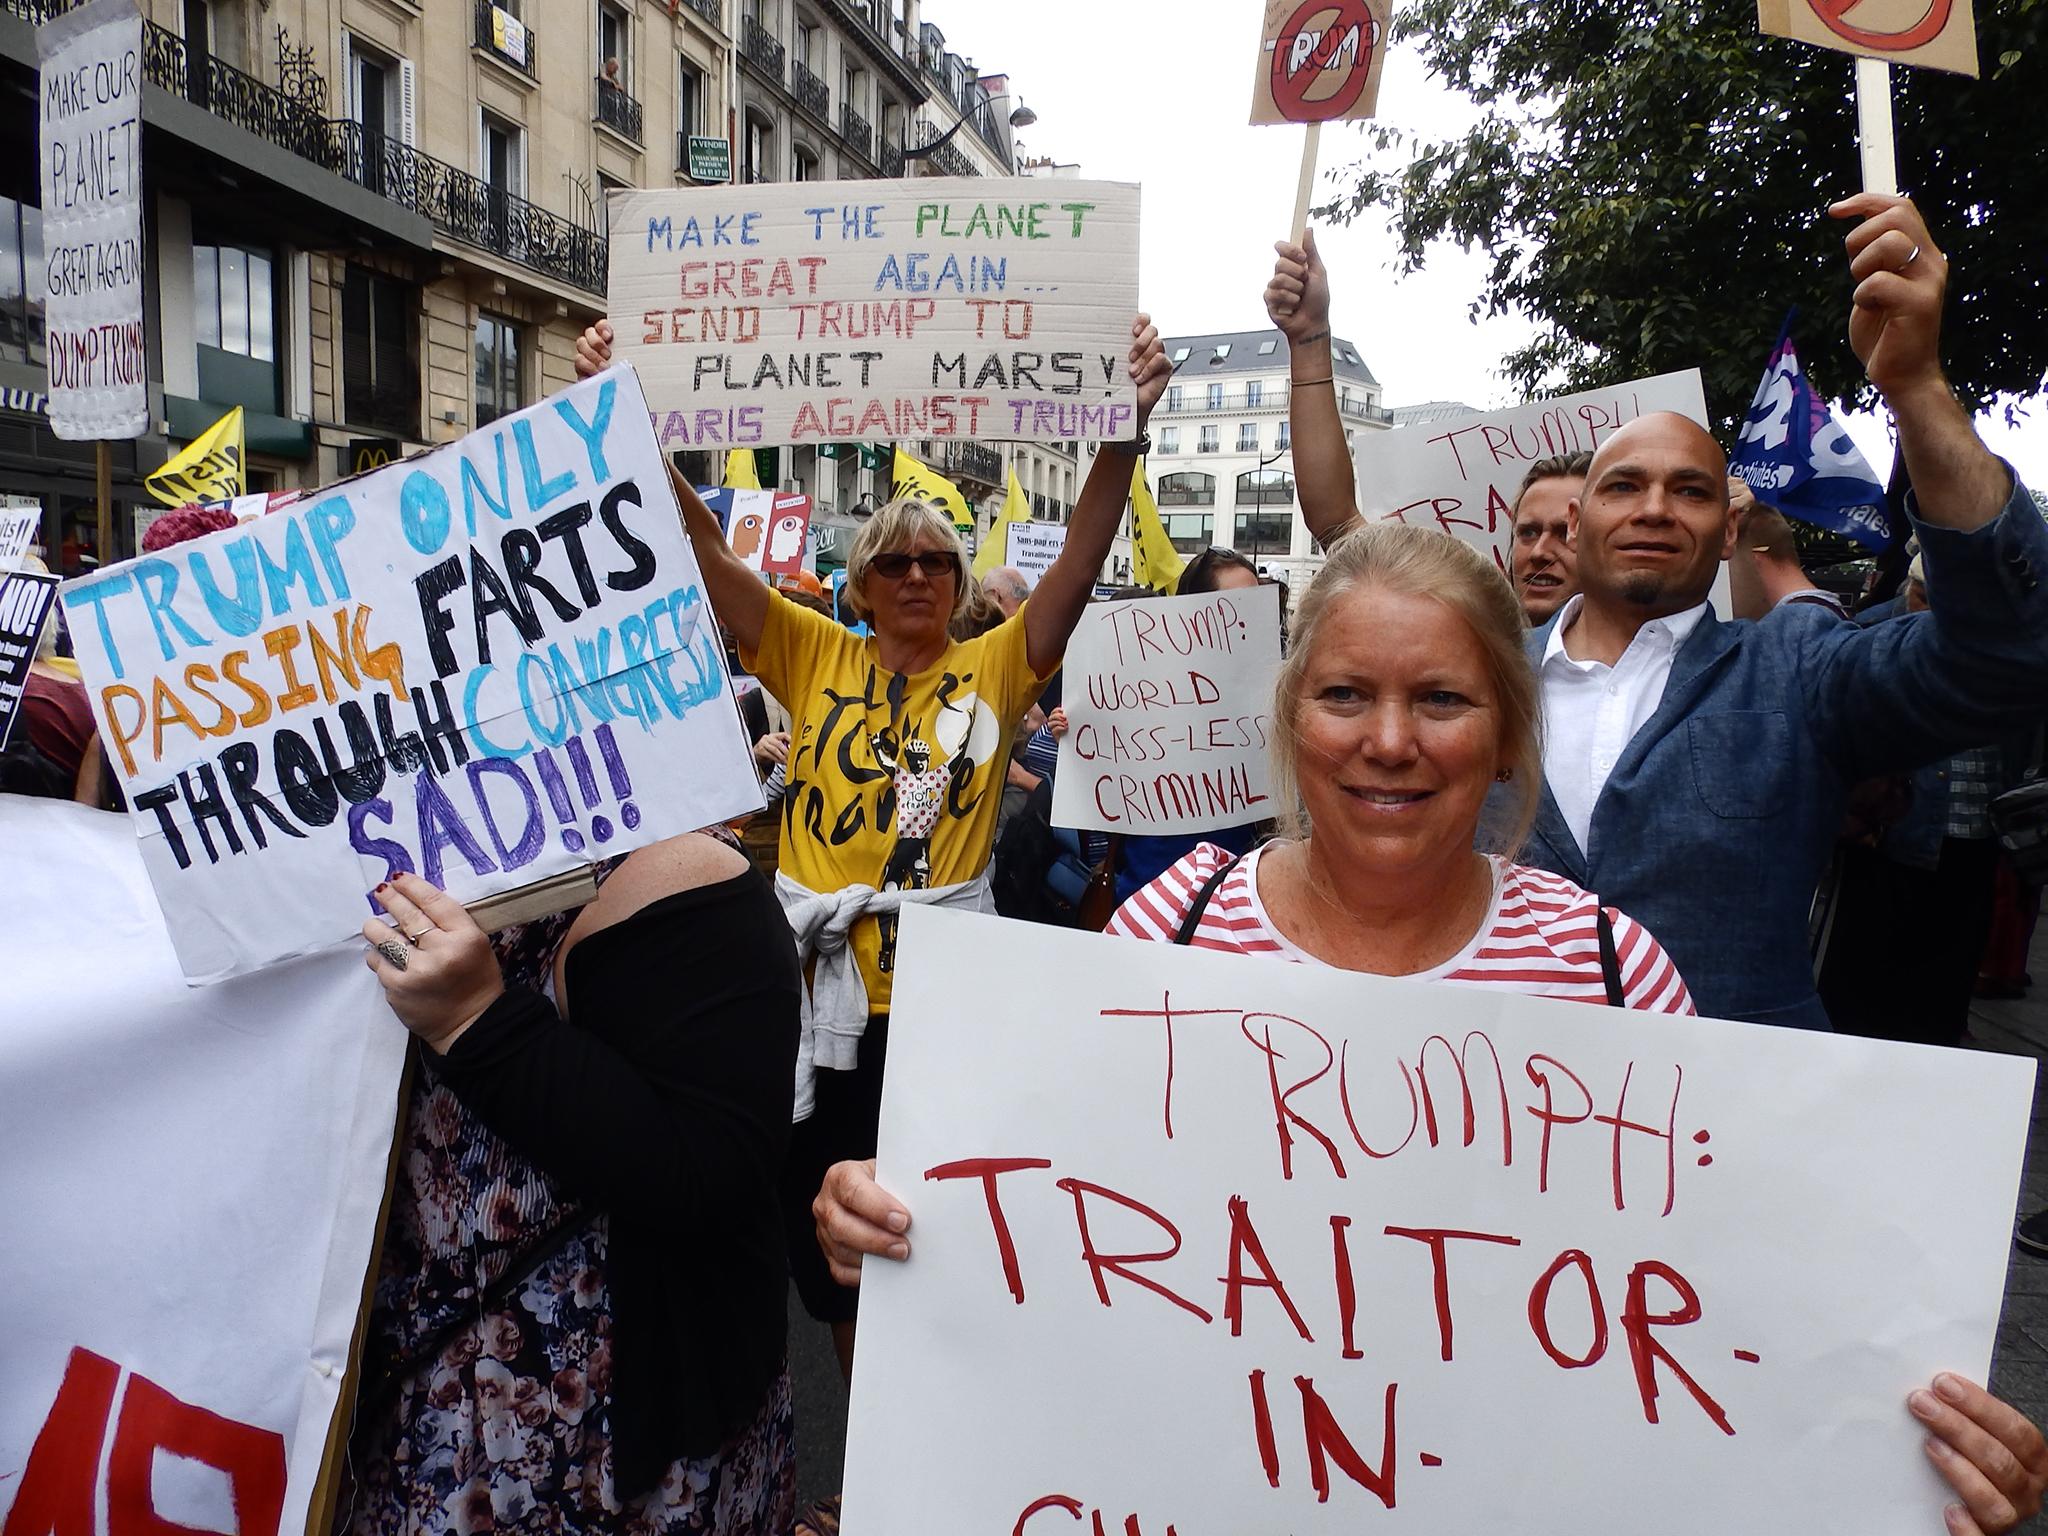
{"type": "Point", "coordinates": [1298, 301]}
{"type": "Point", "coordinates": [738, 595]}
{"type": "Point", "coordinates": [1063, 591]}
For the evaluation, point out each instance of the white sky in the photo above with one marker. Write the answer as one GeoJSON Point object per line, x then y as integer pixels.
{"type": "Point", "coordinates": [1158, 92]}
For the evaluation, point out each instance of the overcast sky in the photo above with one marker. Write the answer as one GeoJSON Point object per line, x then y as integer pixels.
{"type": "Point", "coordinates": [1158, 92]}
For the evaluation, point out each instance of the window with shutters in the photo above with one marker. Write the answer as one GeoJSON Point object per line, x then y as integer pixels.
{"type": "Point", "coordinates": [379, 353]}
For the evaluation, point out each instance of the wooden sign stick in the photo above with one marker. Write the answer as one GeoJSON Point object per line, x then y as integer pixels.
{"type": "Point", "coordinates": [1310, 145]}
{"type": "Point", "coordinates": [1874, 126]}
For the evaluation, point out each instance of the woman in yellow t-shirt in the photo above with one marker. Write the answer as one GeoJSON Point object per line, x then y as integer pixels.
{"type": "Point", "coordinates": [900, 740]}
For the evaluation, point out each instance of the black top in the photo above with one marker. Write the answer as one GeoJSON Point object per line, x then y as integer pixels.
{"type": "Point", "coordinates": [666, 1102]}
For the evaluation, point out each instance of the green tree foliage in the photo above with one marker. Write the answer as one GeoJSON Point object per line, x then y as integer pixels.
{"type": "Point", "coordinates": [1650, 182]}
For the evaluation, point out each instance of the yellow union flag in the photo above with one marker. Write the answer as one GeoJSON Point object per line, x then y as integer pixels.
{"type": "Point", "coordinates": [915, 478]}
{"type": "Point", "coordinates": [209, 468]}
{"type": "Point", "coordinates": [1155, 563]}
{"type": "Point", "coordinates": [742, 470]}
{"type": "Point", "coordinates": [995, 548]}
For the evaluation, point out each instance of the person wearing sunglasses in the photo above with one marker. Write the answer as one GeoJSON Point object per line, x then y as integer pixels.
{"type": "Point", "coordinates": [900, 742]}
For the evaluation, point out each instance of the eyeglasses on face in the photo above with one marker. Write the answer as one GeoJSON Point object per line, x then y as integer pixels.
{"type": "Point", "coordinates": [895, 565]}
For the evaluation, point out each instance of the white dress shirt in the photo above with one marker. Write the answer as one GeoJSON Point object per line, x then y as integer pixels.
{"type": "Point", "coordinates": [1591, 710]}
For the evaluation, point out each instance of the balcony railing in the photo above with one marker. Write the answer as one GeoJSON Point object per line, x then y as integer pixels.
{"type": "Point", "coordinates": [487, 37]}
{"type": "Point", "coordinates": [1191, 403]}
{"type": "Point", "coordinates": [228, 93]}
{"type": "Point", "coordinates": [854, 129]}
{"type": "Point", "coordinates": [946, 159]}
{"type": "Point", "coordinates": [470, 209]}
{"type": "Point", "coordinates": [1365, 412]}
{"type": "Point", "coordinates": [617, 111]}
{"type": "Point", "coordinates": [761, 49]}
{"type": "Point", "coordinates": [809, 91]}
{"type": "Point", "coordinates": [891, 162]}
{"type": "Point", "coordinates": [976, 461]}
{"type": "Point", "coordinates": [712, 11]}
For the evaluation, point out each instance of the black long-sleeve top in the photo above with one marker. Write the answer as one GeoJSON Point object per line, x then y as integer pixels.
{"type": "Point", "coordinates": [666, 1103]}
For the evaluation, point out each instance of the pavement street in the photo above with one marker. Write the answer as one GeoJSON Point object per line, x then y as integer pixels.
{"type": "Point", "coordinates": [2019, 1366]}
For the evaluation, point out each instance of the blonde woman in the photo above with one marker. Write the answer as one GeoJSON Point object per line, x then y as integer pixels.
{"type": "Point", "coordinates": [900, 744]}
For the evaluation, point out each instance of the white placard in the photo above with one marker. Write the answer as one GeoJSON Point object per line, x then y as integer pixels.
{"type": "Point", "coordinates": [192, 1182]}
{"type": "Point", "coordinates": [1032, 547]}
{"type": "Point", "coordinates": [1455, 1313]}
{"type": "Point", "coordinates": [91, 90]}
{"type": "Point", "coordinates": [1169, 703]}
{"type": "Point", "coordinates": [490, 664]}
{"type": "Point", "coordinates": [880, 310]}
{"type": "Point", "coordinates": [21, 529]}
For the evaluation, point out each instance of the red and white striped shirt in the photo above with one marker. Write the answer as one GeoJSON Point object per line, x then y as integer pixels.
{"type": "Point", "coordinates": [1540, 937]}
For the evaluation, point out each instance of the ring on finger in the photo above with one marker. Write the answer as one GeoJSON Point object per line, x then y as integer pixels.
{"type": "Point", "coordinates": [1910, 259]}
{"type": "Point", "coordinates": [414, 938]}
{"type": "Point", "coordinates": [393, 951]}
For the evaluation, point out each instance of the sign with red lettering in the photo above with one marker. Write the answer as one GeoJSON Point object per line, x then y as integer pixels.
{"type": "Point", "coordinates": [192, 1179]}
{"type": "Point", "coordinates": [1936, 34]}
{"type": "Point", "coordinates": [1169, 702]}
{"type": "Point", "coordinates": [1205, 1242]}
{"type": "Point", "coordinates": [1319, 60]}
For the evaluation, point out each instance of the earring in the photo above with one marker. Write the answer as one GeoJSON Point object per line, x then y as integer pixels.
{"type": "Point", "coordinates": [1504, 775]}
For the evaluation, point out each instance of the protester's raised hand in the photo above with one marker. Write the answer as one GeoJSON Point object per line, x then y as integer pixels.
{"type": "Point", "coordinates": [1741, 502]}
{"type": "Point", "coordinates": [594, 349]}
{"type": "Point", "coordinates": [437, 967]}
{"type": "Point", "coordinates": [1901, 275]}
{"type": "Point", "coordinates": [1990, 1453]}
{"type": "Point", "coordinates": [1298, 296]}
{"type": "Point", "coordinates": [1149, 368]}
{"type": "Point", "coordinates": [857, 1217]}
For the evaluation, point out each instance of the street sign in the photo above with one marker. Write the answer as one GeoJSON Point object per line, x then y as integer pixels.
{"type": "Point", "coordinates": [710, 159]}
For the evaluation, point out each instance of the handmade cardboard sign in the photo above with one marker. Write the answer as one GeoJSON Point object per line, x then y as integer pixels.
{"type": "Point", "coordinates": [27, 599]}
{"type": "Point", "coordinates": [90, 83]}
{"type": "Point", "coordinates": [488, 664]}
{"type": "Point", "coordinates": [1319, 60]}
{"type": "Point", "coordinates": [1213, 1243]}
{"type": "Point", "coordinates": [1169, 703]}
{"type": "Point", "coordinates": [192, 1181]}
{"type": "Point", "coordinates": [20, 529]}
{"type": "Point", "coordinates": [766, 529]}
{"type": "Point", "coordinates": [1935, 34]}
{"type": "Point", "coordinates": [1462, 475]}
{"type": "Point", "coordinates": [931, 308]}
{"type": "Point", "coordinates": [1032, 547]}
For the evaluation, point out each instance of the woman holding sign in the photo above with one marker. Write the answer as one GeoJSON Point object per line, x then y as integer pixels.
{"type": "Point", "coordinates": [901, 742]}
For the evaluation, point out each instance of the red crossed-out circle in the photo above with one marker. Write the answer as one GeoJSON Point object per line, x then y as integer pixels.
{"type": "Point", "coordinates": [1290, 92]}
{"type": "Point", "coordinates": [1921, 33]}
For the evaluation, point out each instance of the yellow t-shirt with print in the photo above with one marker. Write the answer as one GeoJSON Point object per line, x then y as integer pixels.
{"type": "Point", "coordinates": [895, 780]}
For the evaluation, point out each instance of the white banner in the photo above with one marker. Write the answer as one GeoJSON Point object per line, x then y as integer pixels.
{"type": "Point", "coordinates": [488, 664]}
{"type": "Point", "coordinates": [1223, 1243]}
{"type": "Point", "coordinates": [1169, 703]}
{"type": "Point", "coordinates": [21, 529]}
{"type": "Point", "coordinates": [1032, 547]}
{"type": "Point", "coordinates": [928, 308]}
{"type": "Point", "coordinates": [192, 1181]}
{"type": "Point", "coordinates": [91, 87]}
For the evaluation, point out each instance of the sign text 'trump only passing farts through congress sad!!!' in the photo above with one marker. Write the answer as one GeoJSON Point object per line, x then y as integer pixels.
{"type": "Point", "coordinates": [882, 311]}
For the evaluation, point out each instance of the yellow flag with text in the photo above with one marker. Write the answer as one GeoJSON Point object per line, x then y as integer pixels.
{"type": "Point", "coordinates": [915, 478]}
{"type": "Point", "coordinates": [1155, 563]}
{"type": "Point", "coordinates": [742, 470]}
{"type": "Point", "coordinates": [996, 547]}
{"type": "Point", "coordinates": [208, 469]}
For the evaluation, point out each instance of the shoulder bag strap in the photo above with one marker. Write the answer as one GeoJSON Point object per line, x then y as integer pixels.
{"type": "Point", "coordinates": [1610, 963]}
{"type": "Point", "coordinates": [1192, 918]}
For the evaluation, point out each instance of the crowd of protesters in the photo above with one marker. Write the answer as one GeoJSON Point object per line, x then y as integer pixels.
{"type": "Point", "coordinates": [639, 1119]}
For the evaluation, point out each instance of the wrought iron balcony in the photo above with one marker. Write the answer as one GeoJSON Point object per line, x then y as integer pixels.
{"type": "Point", "coordinates": [711, 10]}
{"type": "Point", "coordinates": [809, 91]}
{"type": "Point", "coordinates": [891, 162]}
{"type": "Point", "coordinates": [487, 38]}
{"type": "Point", "coordinates": [241, 99]}
{"type": "Point", "coordinates": [854, 129]}
{"type": "Point", "coordinates": [759, 47]}
{"type": "Point", "coordinates": [974, 461]}
{"type": "Point", "coordinates": [617, 111]}
{"type": "Point", "coordinates": [1199, 402]}
{"type": "Point", "coordinates": [471, 210]}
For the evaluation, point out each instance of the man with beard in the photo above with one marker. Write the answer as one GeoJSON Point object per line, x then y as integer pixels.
{"type": "Point", "coordinates": [1542, 566]}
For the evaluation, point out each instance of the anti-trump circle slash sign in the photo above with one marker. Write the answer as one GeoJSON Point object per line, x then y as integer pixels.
{"type": "Point", "coordinates": [1322, 61]}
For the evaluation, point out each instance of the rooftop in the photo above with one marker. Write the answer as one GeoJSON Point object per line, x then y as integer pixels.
{"type": "Point", "coordinates": [1238, 352]}
{"type": "Point", "coordinates": [1432, 411]}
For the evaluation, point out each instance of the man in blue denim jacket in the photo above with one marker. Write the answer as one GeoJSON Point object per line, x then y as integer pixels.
{"type": "Point", "coordinates": [1697, 769]}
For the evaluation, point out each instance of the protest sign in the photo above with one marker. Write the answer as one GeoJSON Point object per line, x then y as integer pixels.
{"type": "Point", "coordinates": [1305, 1250]}
{"type": "Point", "coordinates": [1937, 34]}
{"type": "Point", "coordinates": [1319, 60]}
{"type": "Point", "coordinates": [930, 308]}
{"type": "Point", "coordinates": [26, 598]}
{"type": "Point", "coordinates": [488, 664]}
{"type": "Point", "coordinates": [209, 468]}
{"type": "Point", "coordinates": [766, 529]}
{"type": "Point", "coordinates": [21, 529]}
{"type": "Point", "coordinates": [1169, 703]}
{"type": "Point", "coordinates": [192, 1181]}
{"type": "Point", "coordinates": [91, 82]}
{"type": "Point", "coordinates": [1034, 546]}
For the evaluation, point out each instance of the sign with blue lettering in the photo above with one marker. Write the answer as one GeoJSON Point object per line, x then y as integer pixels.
{"type": "Point", "coordinates": [488, 664]}
{"type": "Point", "coordinates": [929, 308]}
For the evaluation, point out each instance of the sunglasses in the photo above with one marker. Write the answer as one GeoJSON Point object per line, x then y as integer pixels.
{"type": "Point", "coordinates": [895, 565]}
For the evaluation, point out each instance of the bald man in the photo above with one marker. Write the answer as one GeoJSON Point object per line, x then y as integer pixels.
{"type": "Point", "coordinates": [1696, 770]}
{"type": "Point", "coordinates": [1006, 588]}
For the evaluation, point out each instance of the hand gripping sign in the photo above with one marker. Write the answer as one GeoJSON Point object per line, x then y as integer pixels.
{"type": "Point", "coordinates": [1319, 60]}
